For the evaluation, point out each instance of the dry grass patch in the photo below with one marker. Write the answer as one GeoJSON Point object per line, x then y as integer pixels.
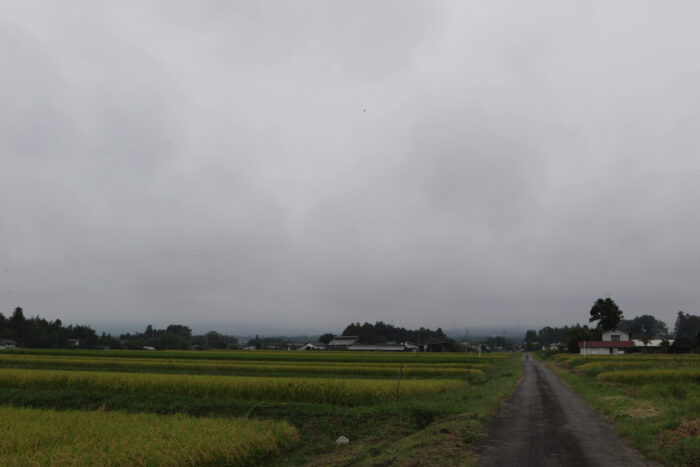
{"type": "Point", "coordinates": [685, 439]}
{"type": "Point", "coordinates": [631, 407]}
{"type": "Point", "coordinates": [686, 429]}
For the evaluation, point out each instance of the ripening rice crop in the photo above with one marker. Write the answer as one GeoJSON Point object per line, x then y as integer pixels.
{"type": "Point", "coordinates": [275, 355]}
{"type": "Point", "coordinates": [691, 375]}
{"type": "Point", "coordinates": [32, 437]}
{"type": "Point", "coordinates": [349, 392]}
{"type": "Point", "coordinates": [372, 370]}
{"type": "Point", "coordinates": [596, 368]}
{"type": "Point", "coordinates": [651, 360]}
{"type": "Point", "coordinates": [632, 365]}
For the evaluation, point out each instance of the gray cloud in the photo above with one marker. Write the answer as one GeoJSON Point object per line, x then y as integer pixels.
{"type": "Point", "coordinates": [306, 165]}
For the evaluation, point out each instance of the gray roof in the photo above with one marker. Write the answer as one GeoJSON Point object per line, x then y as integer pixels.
{"type": "Point", "coordinates": [378, 348]}
{"type": "Point", "coordinates": [343, 340]}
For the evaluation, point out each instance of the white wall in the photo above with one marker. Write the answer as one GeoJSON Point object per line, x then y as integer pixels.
{"type": "Point", "coordinates": [623, 335]}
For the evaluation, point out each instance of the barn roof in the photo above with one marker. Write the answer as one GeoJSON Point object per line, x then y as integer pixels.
{"type": "Point", "coordinates": [605, 344]}
{"type": "Point", "coordinates": [343, 340]}
{"type": "Point", "coordinates": [378, 348]}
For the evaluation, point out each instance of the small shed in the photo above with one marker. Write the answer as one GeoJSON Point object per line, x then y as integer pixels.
{"type": "Point", "coordinates": [438, 345]}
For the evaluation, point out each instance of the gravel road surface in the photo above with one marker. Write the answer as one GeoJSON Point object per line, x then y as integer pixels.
{"type": "Point", "coordinates": [546, 424]}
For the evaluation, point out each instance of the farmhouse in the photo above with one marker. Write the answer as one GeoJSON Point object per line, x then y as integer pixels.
{"type": "Point", "coordinates": [614, 342]}
{"type": "Point", "coordinates": [438, 345]}
{"type": "Point", "coordinates": [7, 344]}
{"type": "Point", "coordinates": [305, 346]}
{"type": "Point", "coordinates": [342, 342]}
{"type": "Point", "coordinates": [404, 347]}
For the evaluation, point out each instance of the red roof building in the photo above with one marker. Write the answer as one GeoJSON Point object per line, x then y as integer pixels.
{"type": "Point", "coordinates": [605, 344]}
{"type": "Point", "coordinates": [614, 342]}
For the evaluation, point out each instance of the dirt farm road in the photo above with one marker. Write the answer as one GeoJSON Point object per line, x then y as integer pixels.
{"type": "Point", "coordinates": [546, 424]}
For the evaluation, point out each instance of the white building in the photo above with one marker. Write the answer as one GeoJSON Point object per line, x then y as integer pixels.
{"type": "Point", "coordinates": [614, 342]}
{"type": "Point", "coordinates": [615, 335]}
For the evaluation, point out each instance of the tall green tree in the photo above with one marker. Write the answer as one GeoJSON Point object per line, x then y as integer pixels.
{"type": "Point", "coordinates": [645, 327]}
{"type": "Point", "coordinates": [578, 333]}
{"type": "Point", "coordinates": [686, 325]}
{"type": "Point", "coordinates": [530, 339]}
{"type": "Point", "coordinates": [606, 312]}
{"type": "Point", "coordinates": [326, 338]}
{"type": "Point", "coordinates": [551, 335]}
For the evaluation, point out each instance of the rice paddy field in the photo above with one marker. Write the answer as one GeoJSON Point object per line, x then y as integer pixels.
{"type": "Point", "coordinates": [246, 408]}
{"type": "Point", "coordinates": [652, 399]}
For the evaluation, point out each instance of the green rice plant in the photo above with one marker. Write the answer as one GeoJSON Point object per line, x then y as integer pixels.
{"type": "Point", "coordinates": [652, 360]}
{"type": "Point", "coordinates": [33, 437]}
{"type": "Point", "coordinates": [595, 368]}
{"type": "Point", "coordinates": [350, 392]}
{"type": "Point", "coordinates": [655, 376]}
{"type": "Point", "coordinates": [631, 365]}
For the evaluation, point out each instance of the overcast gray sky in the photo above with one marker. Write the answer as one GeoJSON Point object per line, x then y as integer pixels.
{"type": "Point", "coordinates": [302, 165]}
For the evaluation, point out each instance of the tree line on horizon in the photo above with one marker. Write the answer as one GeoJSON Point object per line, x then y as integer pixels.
{"type": "Point", "coordinates": [382, 333]}
{"type": "Point", "coordinates": [37, 332]}
{"type": "Point", "coordinates": [608, 315]}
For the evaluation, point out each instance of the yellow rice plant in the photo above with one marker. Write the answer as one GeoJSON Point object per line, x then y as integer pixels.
{"type": "Point", "coordinates": [636, 364]}
{"type": "Point", "coordinates": [274, 355]}
{"type": "Point", "coordinates": [651, 359]}
{"type": "Point", "coordinates": [376, 370]}
{"type": "Point", "coordinates": [10, 358]}
{"type": "Point", "coordinates": [349, 392]}
{"type": "Point", "coordinates": [681, 375]}
{"type": "Point", "coordinates": [33, 437]}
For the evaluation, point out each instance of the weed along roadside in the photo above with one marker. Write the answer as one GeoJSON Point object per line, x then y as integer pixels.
{"type": "Point", "coordinates": [392, 409]}
{"type": "Point", "coordinates": [653, 400]}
